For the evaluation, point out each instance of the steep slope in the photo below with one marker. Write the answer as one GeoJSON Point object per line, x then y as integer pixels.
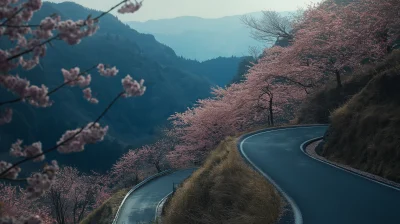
{"type": "Point", "coordinates": [365, 132]}
{"type": "Point", "coordinates": [132, 121]}
{"type": "Point", "coordinates": [146, 43]}
{"type": "Point", "coordinates": [318, 107]}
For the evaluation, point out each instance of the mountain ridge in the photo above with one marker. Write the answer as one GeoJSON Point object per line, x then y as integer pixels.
{"type": "Point", "coordinates": [203, 38]}
{"type": "Point", "coordinates": [173, 84]}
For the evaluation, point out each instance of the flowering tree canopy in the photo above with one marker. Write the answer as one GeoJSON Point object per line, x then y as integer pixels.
{"type": "Point", "coordinates": [28, 45]}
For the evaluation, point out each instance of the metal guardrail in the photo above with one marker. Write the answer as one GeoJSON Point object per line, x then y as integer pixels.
{"type": "Point", "coordinates": [137, 186]}
{"type": "Point", "coordinates": [175, 186]}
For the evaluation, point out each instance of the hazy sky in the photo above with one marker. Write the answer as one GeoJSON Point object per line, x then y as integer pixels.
{"type": "Point", "coordinates": [160, 9]}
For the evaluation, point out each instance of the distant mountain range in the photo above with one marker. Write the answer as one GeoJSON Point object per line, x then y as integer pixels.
{"type": "Point", "coordinates": [173, 84]}
{"type": "Point", "coordinates": [202, 39]}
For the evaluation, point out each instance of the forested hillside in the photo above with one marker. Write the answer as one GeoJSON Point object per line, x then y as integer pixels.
{"type": "Point", "coordinates": [173, 84]}
{"type": "Point", "coordinates": [336, 62]}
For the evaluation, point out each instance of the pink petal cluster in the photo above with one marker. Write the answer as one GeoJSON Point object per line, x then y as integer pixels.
{"type": "Point", "coordinates": [109, 72]}
{"type": "Point", "coordinates": [33, 94]}
{"type": "Point", "coordinates": [33, 219]}
{"type": "Point", "coordinates": [39, 183]}
{"type": "Point", "coordinates": [29, 64]}
{"type": "Point", "coordinates": [72, 32]}
{"type": "Point", "coordinates": [46, 27]}
{"type": "Point", "coordinates": [132, 87]}
{"type": "Point", "coordinates": [8, 11]}
{"type": "Point", "coordinates": [91, 134]}
{"type": "Point", "coordinates": [16, 30]}
{"type": "Point", "coordinates": [33, 5]}
{"type": "Point", "coordinates": [27, 151]}
{"type": "Point", "coordinates": [87, 94]}
{"type": "Point", "coordinates": [38, 51]}
{"type": "Point", "coordinates": [73, 77]}
{"type": "Point", "coordinates": [5, 65]}
{"type": "Point", "coordinates": [11, 174]}
{"type": "Point", "coordinates": [6, 116]}
{"type": "Point", "coordinates": [130, 7]}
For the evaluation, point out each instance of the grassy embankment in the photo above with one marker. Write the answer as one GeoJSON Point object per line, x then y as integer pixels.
{"type": "Point", "coordinates": [105, 213]}
{"type": "Point", "coordinates": [365, 131]}
{"type": "Point", "coordinates": [365, 118]}
{"type": "Point", "coordinates": [224, 190]}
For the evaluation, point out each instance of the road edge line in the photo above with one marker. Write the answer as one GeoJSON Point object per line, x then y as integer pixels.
{"type": "Point", "coordinates": [308, 142]}
{"type": "Point", "coordinates": [137, 186]}
{"type": "Point", "coordinates": [159, 208]}
{"type": "Point", "coordinates": [296, 211]}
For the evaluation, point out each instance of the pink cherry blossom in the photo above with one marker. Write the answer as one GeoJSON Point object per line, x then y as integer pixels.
{"type": "Point", "coordinates": [33, 5]}
{"type": "Point", "coordinates": [19, 210]}
{"type": "Point", "coordinates": [130, 7]}
{"type": "Point", "coordinates": [30, 63]}
{"type": "Point", "coordinates": [132, 87]}
{"type": "Point", "coordinates": [46, 27]}
{"type": "Point", "coordinates": [27, 151]}
{"type": "Point", "coordinates": [73, 77]}
{"type": "Point", "coordinates": [39, 183]}
{"type": "Point", "coordinates": [129, 165]}
{"type": "Point", "coordinates": [6, 116]}
{"type": "Point", "coordinates": [109, 72]}
{"type": "Point", "coordinates": [11, 174]}
{"type": "Point", "coordinates": [5, 65]}
{"type": "Point", "coordinates": [33, 94]}
{"type": "Point", "coordinates": [28, 46]}
{"type": "Point", "coordinates": [91, 134]}
{"type": "Point", "coordinates": [87, 94]}
{"type": "Point", "coordinates": [72, 32]}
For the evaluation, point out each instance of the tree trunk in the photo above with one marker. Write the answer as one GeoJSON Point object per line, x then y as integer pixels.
{"type": "Point", "coordinates": [271, 114]}
{"type": "Point", "coordinates": [338, 79]}
{"type": "Point", "coordinates": [158, 167]}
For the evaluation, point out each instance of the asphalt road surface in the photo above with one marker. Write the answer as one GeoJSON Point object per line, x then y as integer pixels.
{"type": "Point", "coordinates": [140, 206]}
{"type": "Point", "coordinates": [323, 194]}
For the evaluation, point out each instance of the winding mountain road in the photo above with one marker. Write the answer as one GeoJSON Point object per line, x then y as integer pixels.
{"type": "Point", "coordinates": [321, 194]}
{"type": "Point", "coordinates": [140, 206]}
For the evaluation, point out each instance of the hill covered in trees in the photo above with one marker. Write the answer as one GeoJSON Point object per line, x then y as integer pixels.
{"type": "Point", "coordinates": [173, 84]}
{"type": "Point", "coordinates": [204, 38]}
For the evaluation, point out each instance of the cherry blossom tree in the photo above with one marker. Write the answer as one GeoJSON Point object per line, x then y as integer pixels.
{"type": "Point", "coordinates": [155, 154]}
{"type": "Point", "coordinates": [127, 171]}
{"type": "Point", "coordinates": [70, 203]}
{"type": "Point", "coordinates": [328, 40]}
{"type": "Point", "coordinates": [29, 46]}
{"type": "Point", "coordinates": [14, 204]}
{"type": "Point", "coordinates": [338, 38]}
{"type": "Point", "coordinates": [270, 27]}
{"type": "Point", "coordinates": [201, 128]}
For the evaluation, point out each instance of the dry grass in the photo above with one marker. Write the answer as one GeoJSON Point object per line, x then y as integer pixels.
{"type": "Point", "coordinates": [319, 106]}
{"type": "Point", "coordinates": [365, 132]}
{"type": "Point", "coordinates": [105, 213]}
{"type": "Point", "coordinates": [224, 190]}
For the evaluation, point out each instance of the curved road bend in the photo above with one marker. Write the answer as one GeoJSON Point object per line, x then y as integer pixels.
{"type": "Point", "coordinates": [324, 194]}
{"type": "Point", "coordinates": [140, 206]}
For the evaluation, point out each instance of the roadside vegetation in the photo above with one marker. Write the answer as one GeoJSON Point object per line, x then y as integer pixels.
{"type": "Point", "coordinates": [325, 61]}
{"type": "Point", "coordinates": [318, 107]}
{"type": "Point", "coordinates": [105, 214]}
{"type": "Point", "coordinates": [224, 190]}
{"type": "Point", "coordinates": [365, 132]}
